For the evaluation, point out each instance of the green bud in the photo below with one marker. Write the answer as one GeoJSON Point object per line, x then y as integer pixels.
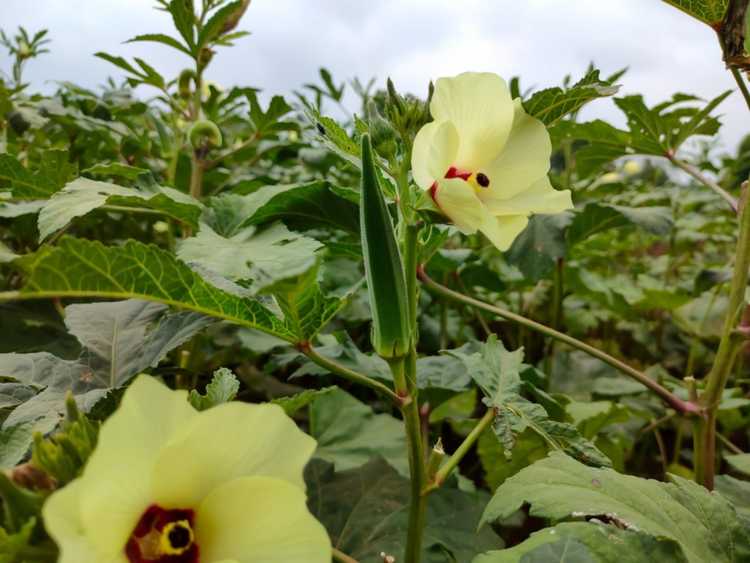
{"type": "Point", "coordinates": [235, 18]}
{"type": "Point", "coordinates": [384, 269]}
{"type": "Point", "coordinates": [383, 134]}
{"type": "Point", "coordinates": [205, 134]}
{"type": "Point", "coordinates": [183, 83]}
{"type": "Point", "coordinates": [204, 57]}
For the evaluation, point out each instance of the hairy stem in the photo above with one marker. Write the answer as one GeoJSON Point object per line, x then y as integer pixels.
{"type": "Point", "coordinates": [742, 86]}
{"type": "Point", "coordinates": [706, 181]}
{"type": "Point", "coordinates": [342, 557]}
{"type": "Point", "coordinates": [412, 420]}
{"type": "Point", "coordinates": [680, 405]}
{"type": "Point", "coordinates": [444, 472]}
{"type": "Point", "coordinates": [348, 374]}
{"type": "Point", "coordinates": [704, 432]}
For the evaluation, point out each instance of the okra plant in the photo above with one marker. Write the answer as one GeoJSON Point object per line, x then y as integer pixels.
{"type": "Point", "coordinates": [462, 325]}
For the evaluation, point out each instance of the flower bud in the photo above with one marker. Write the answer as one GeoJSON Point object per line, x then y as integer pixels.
{"type": "Point", "coordinates": [205, 134]}
{"type": "Point", "coordinates": [183, 83]}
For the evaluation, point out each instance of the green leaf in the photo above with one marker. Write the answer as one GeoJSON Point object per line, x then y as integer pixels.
{"type": "Point", "coordinates": [336, 139]}
{"type": "Point", "coordinates": [19, 505]}
{"type": "Point", "coordinates": [222, 389]}
{"type": "Point", "coordinates": [345, 352]}
{"type": "Point", "coordinates": [737, 492]}
{"type": "Point", "coordinates": [552, 104]}
{"type": "Point", "coordinates": [119, 340]}
{"type": "Point", "coordinates": [163, 39]}
{"type": "Point", "coordinates": [739, 462]}
{"type": "Point", "coordinates": [541, 243]}
{"type": "Point", "coordinates": [704, 524]}
{"type": "Point", "coordinates": [349, 433]}
{"type": "Point", "coordinates": [184, 20]}
{"type": "Point", "coordinates": [82, 196]}
{"type": "Point", "coordinates": [116, 169]}
{"type": "Point", "coordinates": [216, 24]}
{"type": "Point", "coordinates": [13, 545]}
{"type": "Point", "coordinates": [259, 257]}
{"type": "Point", "coordinates": [365, 511]}
{"type": "Point", "coordinates": [711, 12]}
{"type": "Point", "coordinates": [386, 285]}
{"type": "Point", "coordinates": [579, 542]}
{"type": "Point", "coordinates": [306, 308]}
{"type": "Point", "coordinates": [53, 171]}
{"type": "Point", "coordinates": [497, 372]}
{"type": "Point", "coordinates": [15, 442]}
{"type": "Point", "coordinates": [294, 403]}
{"type": "Point", "coordinates": [82, 268]}
{"type": "Point", "coordinates": [268, 121]}
{"type": "Point", "coordinates": [302, 206]}
{"type": "Point", "coordinates": [597, 217]}
{"type": "Point", "coordinates": [63, 455]}
{"type": "Point", "coordinates": [498, 466]}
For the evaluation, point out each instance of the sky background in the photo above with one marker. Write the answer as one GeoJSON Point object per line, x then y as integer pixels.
{"type": "Point", "coordinates": [412, 41]}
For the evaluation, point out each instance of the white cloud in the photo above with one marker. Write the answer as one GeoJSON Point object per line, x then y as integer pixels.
{"type": "Point", "coordinates": [412, 41]}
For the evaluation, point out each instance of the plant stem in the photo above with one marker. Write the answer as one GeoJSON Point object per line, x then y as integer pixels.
{"type": "Point", "coordinates": [727, 442]}
{"type": "Point", "coordinates": [681, 406]}
{"type": "Point", "coordinates": [342, 557]}
{"type": "Point", "coordinates": [444, 472]}
{"type": "Point", "coordinates": [410, 410]}
{"type": "Point", "coordinates": [349, 374]}
{"type": "Point", "coordinates": [196, 176]}
{"type": "Point", "coordinates": [698, 175]}
{"type": "Point", "coordinates": [742, 86]}
{"type": "Point", "coordinates": [729, 346]}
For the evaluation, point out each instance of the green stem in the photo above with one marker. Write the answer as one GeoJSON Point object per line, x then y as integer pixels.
{"type": "Point", "coordinates": [705, 180]}
{"type": "Point", "coordinates": [444, 472]}
{"type": "Point", "coordinates": [681, 406]}
{"type": "Point", "coordinates": [729, 346]}
{"type": "Point", "coordinates": [742, 86]}
{"type": "Point", "coordinates": [196, 177]}
{"type": "Point", "coordinates": [349, 374]}
{"type": "Point", "coordinates": [412, 420]}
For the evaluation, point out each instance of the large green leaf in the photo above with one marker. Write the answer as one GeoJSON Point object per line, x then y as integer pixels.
{"type": "Point", "coordinates": [597, 217]}
{"type": "Point", "coordinates": [306, 308]}
{"type": "Point", "coordinates": [739, 462]}
{"type": "Point", "coordinates": [365, 511]}
{"type": "Point", "coordinates": [82, 268]}
{"type": "Point", "coordinates": [559, 488]}
{"type": "Point", "coordinates": [552, 104]}
{"type": "Point", "coordinates": [711, 12]}
{"type": "Point", "coordinates": [119, 340]}
{"type": "Point", "coordinates": [82, 196]}
{"type": "Point", "coordinates": [308, 205]}
{"type": "Point", "coordinates": [541, 243]}
{"type": "Point", "coordinates": [657, 130]}
{"type": "Point", "coordinates": [258, 257]}
{"type": "Point", "coordinates": [349, 433]}
{"type": "Point", "coordinates": [53, 171]}
{"type": "Point", "coordinates": [497, 372]}
{"type": "Point", "coordinates": [579, 542]}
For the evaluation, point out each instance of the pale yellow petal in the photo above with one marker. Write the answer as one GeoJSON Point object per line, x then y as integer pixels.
{"type": "Point", "coordinates": [434, 151]}
{"type": "Point", "coordinates": [260, 520]}
{"type": "Point", "coordinates": [229, 441]}
{"type": "Point", "coordinates": [502, 231]}
{"type": "Point", "coordinates": [541, 197]}
{"type": "Point", "coordinates": [524, 159]}
{"type": "Point", "coordinates": [117, 486]}
{"type": "Point", "coordinates": [61, 513]}
{"type": "Point", "coordinates": [481, 108]}
{"type": "Point", "coordinates": [458, 200]}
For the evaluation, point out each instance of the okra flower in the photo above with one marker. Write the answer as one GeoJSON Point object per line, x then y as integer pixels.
{"type": "Point", "coordinates": [484, 159]}
{"type": "Point", "coordinates": [167, 484]}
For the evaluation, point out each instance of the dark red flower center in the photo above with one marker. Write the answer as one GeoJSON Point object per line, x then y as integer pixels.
{"type": "Point", "coordinates": [163, 536]}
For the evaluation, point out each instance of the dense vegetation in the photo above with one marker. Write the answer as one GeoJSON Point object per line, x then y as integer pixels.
{"type": "Point", "coordinates": [583, 395]}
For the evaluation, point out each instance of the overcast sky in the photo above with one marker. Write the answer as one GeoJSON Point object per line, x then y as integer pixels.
{"type": "Point", "coordinates": [412, 41]}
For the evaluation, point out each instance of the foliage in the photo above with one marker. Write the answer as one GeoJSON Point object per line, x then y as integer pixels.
{"type": "Point", "coordinates": [247, 246]}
